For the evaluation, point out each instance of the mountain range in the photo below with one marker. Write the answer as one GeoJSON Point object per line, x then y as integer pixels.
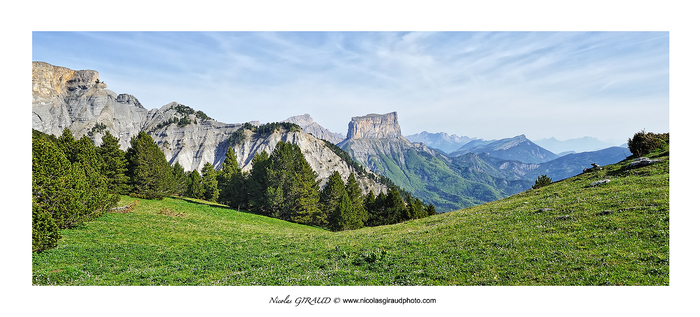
{"type": "Point", "coordinates": [475, 171]}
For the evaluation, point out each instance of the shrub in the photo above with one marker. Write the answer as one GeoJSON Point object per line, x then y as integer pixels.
{"type": "Point", "coordinates": [45, 233]}
{"type": "Point", "coordinates": [643, 142]}
{"type": "Point", "coordinates": [542, 181]}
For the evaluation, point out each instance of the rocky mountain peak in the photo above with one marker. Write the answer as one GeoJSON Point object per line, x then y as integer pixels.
{"type": "Point", "coordinates": [375, 126]}
{"type": "Point", "coordinates": [309, 126]}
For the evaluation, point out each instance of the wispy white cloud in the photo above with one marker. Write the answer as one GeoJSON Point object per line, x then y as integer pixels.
{"type": "Point", "coordinates": [483, 84]}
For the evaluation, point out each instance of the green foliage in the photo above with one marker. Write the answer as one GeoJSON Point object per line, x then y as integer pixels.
{"type": "Point", "coordinates": [195, 188]}
{"type": "Point", "coordinates": [209, 182]}
{"type": "Point", "coordinates": [613, 235]}
{"type": "Point", "coordinates": [165, 124]}
{"type": "Point", "coordinates": [45, 233]}
{"type": "Point", "coordinates": [179, 180]}
{"type": "Point", "coordinates": [70, 192]}
{"type": "Point", "coordinates": [331, 195]}
{"type": "Point", "coordinates": [183, 110]}
{"type": "Point", "coordinates": [97, 128]}
{"type": "Point", "coordinates": [237, 137]}
{"type": "Point", "coordinates": [356, 199]}
{"type": "Point", "coordinates": [183, 121]}
{"type": "Point", "coordinates": [200, 114]}
{"type": "Point", "coordinates": [257, 184]}
{"type": "Point", "coordinates": [114, 165]}
{"type": "Point", "coordinates": [542, 181]}
{"type": "Point", "coordinates": [292, 192]}
{"type": "Point", "coordinates": [149, 172]}
{"type": "Point", "coordinates": [345, 215]}
{"type": "Point", "coordinates": [232, 185]}
{"type": "Point", "coordinates": [643, 143]}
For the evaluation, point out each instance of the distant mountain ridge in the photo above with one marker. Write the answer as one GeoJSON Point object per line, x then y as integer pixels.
{"type": "Point", "coordinates": [441, 140]}
{"type": "Point", "coordinates": [483, 171]}
{"type": "Point", "coordinates": [517, 148]}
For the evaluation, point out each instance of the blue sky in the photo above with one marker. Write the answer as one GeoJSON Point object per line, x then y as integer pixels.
{"type": "Point", "coordinates": [490, 85]}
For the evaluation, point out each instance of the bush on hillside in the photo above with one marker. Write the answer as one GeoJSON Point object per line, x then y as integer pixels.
{"type": "Point", "coordinates": [646, 142]}
{"type": "Point", "coordinates": [542, 181]}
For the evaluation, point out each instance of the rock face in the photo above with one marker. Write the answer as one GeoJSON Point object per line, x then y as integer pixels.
{"type": "Point", "coordinates": [321, 158]}
{"type": "Point", "coordinates": [309, 126]}
{"type": "Point", "coordinates": [375, 126]}
{"type": "Point", "coordinates": [64, 98]}
{"type": "Point", "coordinates": [77, 100]}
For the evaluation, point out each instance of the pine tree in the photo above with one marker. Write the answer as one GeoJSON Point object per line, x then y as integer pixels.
{"type": "Point", "coordinates": [114, 164]}
{"type": "Point", "coordinates": [378, 215]}
{"type": "Point", "coordinates": [343, 216]}
{"type": "Point", "coordinates": [257, 183]}
{"type": "Point", "coordinates": [66, 143]}
{"type": "Point", "coordinates": [331, 194]}
{"type": "Point", "coordinates": [149, 172]}
{"type": "Point", "coordinates": [394, 206]}
{"type": "Point", "coordinates": [292, 192]}
{"type": "Point", "coordinates": [195, 188]}
{"type": "Point", "coordinates": [211, 186]}
{"type": "Point", "coordinates": [369, 202]}
{"type": "Point", "coordinates": [179, 180]}
{"type": "Point", "coordinates": [305, 192]}
{"type": "Point", "coordinates": [431, 210]}
{"type": "Point", "coordinates": [419, 210]}
{"type": "Point", "coordinates": [45, 232]}
{"type": "Point", "coordinates": [70, 193]}
{"type": "Point", "coordinates": [355, 195]}
{"type": "Point", "coordinates": [231, 182]}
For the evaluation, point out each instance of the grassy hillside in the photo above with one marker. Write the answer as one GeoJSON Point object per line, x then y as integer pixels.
{"type": "Point", "coordinates": [567, 233]}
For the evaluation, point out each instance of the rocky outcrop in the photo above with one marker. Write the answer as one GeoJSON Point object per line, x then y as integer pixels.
{"type": "Point", "coordinates": [374, 126]}
{"type": "Point", "coordinates": [78, 100]}
{"type": "Point", "coordinates": [321, 158]}
{"type": "Point", "coordinates": [309, 126]}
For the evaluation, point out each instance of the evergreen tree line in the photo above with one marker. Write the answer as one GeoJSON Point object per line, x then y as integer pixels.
{"type": "Point", "coordinates": [283, 185]}
{"type": "Point", "coordinates": [74, 181]}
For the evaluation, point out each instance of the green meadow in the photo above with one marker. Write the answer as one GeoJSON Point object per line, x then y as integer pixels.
{"type": "Point", "coordinates": [566, 233]}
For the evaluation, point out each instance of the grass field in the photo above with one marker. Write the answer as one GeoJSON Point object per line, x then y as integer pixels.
{"type": "Point", "coordinates": [567, 233]}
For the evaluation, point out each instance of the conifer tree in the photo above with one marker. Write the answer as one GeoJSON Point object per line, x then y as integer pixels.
{"type": "Point", "coordinates": [305, 192]}
{"type": "Point", "coordinates": [431, 210]}
{"type": "Point", "coordinates": [257, 183]}
{"type": "Point", "coordinates": [231, 182]}
{"type": "Point", "coordinates": [394, 206]}
{"type": "Point", "coordinates": [355, 195]}
{"type": "Point", "coordinates": [69, 192]}
{"type": "Point", "coordinates": [195, 188]}
{"type": "Point", "coordinates": [331, 194]}
{"type": "Point", "coordinates": [418, 209]}
{"type": "Point", "coordinates": [66, 143]}
{"type": "Point", "coordinates": [149, 172]}
{"type": "Point", "coordinates": [378, 215]}
{"type": "Point", "coordinates": [292, 192]}
{"type": "Point", "coordinates": [179, 180]}
{"type": "Point", "coordinates": [369, 202]}
{"type": "Point", "coordinates": [45, 232]}
{"type": "Point", "coordinates": [211, 186]}
{"type": "Point", "coordinates": [114, 164]}
{"type": "Point", "coordinates": [342, 216]}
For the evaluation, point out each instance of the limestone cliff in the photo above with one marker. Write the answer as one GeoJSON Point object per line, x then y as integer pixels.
{"type": "Point", "coordinates": [78, 100]}
{"type": "Point", "coordinates": [374, 126]}
{"type": "Point", "coordinates": [309, 126]}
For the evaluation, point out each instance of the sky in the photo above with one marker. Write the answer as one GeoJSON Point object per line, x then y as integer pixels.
{"type": "Point", "coordinates": [490, 85]}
